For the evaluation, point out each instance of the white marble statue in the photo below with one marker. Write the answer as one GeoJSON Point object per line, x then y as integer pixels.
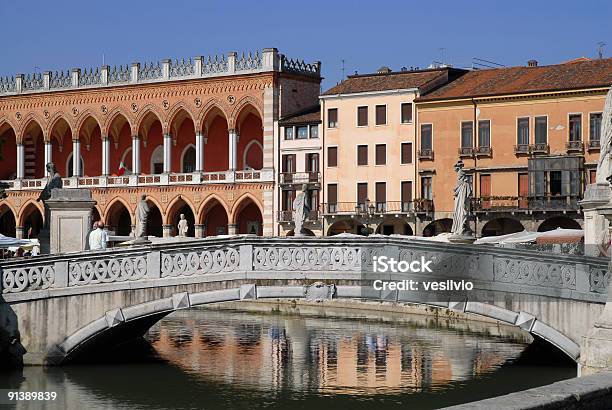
{"type": "Point", "coordinates": [300, 211]}
{"type": "Point", "coordinates": [182, 226]}
{"type": "Point", "coordinates": [605, 142]}
{"type": "Point", "coordinates": [142, 215]}
{"type": "Point", "coordinates": [462, 194]}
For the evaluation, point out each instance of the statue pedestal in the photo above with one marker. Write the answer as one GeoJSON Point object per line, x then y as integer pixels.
{"type": "Point", "coordinates": [595, 225]}
{"type": "Point", "coordinates": [70, 220]}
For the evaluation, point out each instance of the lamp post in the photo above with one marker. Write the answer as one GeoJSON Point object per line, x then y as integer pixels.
{"type": "Point", "coordinates": [366, 212]}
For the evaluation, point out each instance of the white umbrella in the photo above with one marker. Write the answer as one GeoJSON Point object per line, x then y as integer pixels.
{"type": "Point", "coordinates": [7, 241]}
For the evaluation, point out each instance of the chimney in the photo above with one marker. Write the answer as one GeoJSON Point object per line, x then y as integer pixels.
{"type": "Point", "coordinates": [383, 70]}
{"type": "Point", "coordinates": [532, 63]}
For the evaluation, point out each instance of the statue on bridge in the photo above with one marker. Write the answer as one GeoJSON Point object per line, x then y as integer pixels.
{"type": "Point", "coordinates": [463, 192]}
{"type": "Point", "coordinates": [301, 209]}
{"type": "Point", "coordinates": [182, 226]}
{"type": "Point", "coordinates": [54, 180]}
{"type": "Point", "coordinates": [142, 216]}
{"type": "Point", "coordinates": [605, 142]}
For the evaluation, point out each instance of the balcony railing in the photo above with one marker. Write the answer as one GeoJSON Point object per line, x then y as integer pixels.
{"type": "Point", "coordinates": [426, 153]}
{"type": "Point", "coordinates": [594, 145]}
{"type": "Point", "coordinates": [482, 151]}
{"type": "Point", "coordinates": [378, 208]}
{"type": "Point", "coordinates": [195, 178]}
{"type": "Point", "coordinates": [525, 203]}
{"type": "Point", "coordinates": [287, 216]}
{"type": "Point", "coordinates": [300, 178]}
{"type": "Point", "coordinates": [574, 146]}
{"type": "Point", "coordinates": [521, 149]}
{"type": "Point", "coordinates": [466, 152]}
{"type": "Point", "coordinates": [539, 148]}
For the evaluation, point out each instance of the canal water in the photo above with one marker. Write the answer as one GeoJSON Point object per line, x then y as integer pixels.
{"type": "Point", "coordinates": [210, 359]}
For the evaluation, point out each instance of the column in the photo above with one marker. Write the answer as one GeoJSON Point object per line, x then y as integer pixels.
{"type": "Point", "coordinates": [135, 154]}
{"type": "Point", "coordinates": [200, 229]}
{"type": "Point", "coordinates": [232, 229]}
{"type": "Point", "coordinates": [167, 153]}
{"type": "Point", "coordinates": [105, 156]}
{"type": "Point", "coordinates": [20, 161]}
{"type": "Point", "coordinates": [20, 232]}
{"type": "Point", "coordinates": [48, 155]}
{"type": "Point", "coordinates": [233, 150]}
{"type": "Point", "coordinates": [167, 230]}
{"type": "Point", "coordinates": [200, 142]}
{"type": "Point", "coordinates": [76, 158]}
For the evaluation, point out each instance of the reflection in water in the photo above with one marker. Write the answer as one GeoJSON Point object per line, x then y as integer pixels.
{"type": "Point", "coordinates": [211, 360]}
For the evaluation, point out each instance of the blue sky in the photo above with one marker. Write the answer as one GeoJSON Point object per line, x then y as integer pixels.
{"type": "Point", "coordinates": [60, 34]}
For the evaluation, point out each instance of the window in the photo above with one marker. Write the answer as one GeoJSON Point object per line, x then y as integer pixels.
{"type": "Point", "coordinates": [484, 133]}
{"type": "Point", "coordinates": [541, 130]}
{"type": "Point", "coordinates": [289, 163]}
{"type": "Point", "coordinates": [312, 162]}
{"type": "Point", "coordinates": [381, 154]}
{"type": "Point", "coordinates": [381, 196]}
{"type": "Point", "coordinates": [406, 153]}
{"type": "Point", "coordinates": [362, 155]}
{"type": "Point", "coordinates": [362, 116]}
{"type": "Point", "coordinates": [467, 134]}
{"type": "Point", "coordinates": [406, 193]}
{"type": "Point", "coordinates": [595, 127]}
{"type": "Point", "coordinates": [288, 197]}
{"type": "Point", "coordinates": [332, 156]}
{"type": "Point", "coordinates": [575, 127]}
{"type": "Point", "coordinates": [362, 193]}
{"type": "Point", "coordinates": [522, 131]}
{"type": "Point", "coordinates": [555, 183]}
{"type": "Point", "coordinates": [332, 118]}
{"type": "Point", "coordinates": [332, 197]}
{"type": "Point", "coordinates": [592, 176]}
{"type": "Point", "coordinates": [288, 133]}
{"type": "Point", "coordinates": [426, 192]}
{"type": "Point", "coordinates": [302, 132]}
{"type": "Point", "coordinates": [314, 131]}
{"type": "Point", "coordinates": [406, 113]}
{"type": "Point", "coordinates": [426, 136]}
{"type": "Point", "coordinates": [381, 114]}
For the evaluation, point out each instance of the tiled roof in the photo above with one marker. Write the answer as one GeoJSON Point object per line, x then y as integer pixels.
{"type": "Point", "coordinates": [386, 81]}
{"type": "Point", "coordinates": [575, 74]}
{"type": "Point", "coordinates": [308, 115]}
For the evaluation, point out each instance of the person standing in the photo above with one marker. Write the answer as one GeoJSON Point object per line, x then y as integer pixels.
{"type": "Point", "coordinates": [98, 238]}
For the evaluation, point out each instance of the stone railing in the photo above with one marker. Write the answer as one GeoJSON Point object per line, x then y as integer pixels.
{"type": "Point", "coordinates": [195, 178]}
{"type": "Point", "coordinates": [492, 269]}
{"type": "Point", "coordinates": [165, 70]}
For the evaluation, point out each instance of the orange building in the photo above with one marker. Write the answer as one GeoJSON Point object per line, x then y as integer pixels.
{"type": "Point", "coordinates": [528, 136]}
{"type": "Point", "coordinates": [195, 136]}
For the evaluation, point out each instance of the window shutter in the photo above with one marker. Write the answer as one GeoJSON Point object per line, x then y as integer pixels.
{"type": "Point", "coordinates": [332, 156]}
{"type": "Point", "coordinates": [362, 116]}
{"type": "Point", "coordinates": [381, 154]}
{"type": "Point", "coordinates": [362, 155]}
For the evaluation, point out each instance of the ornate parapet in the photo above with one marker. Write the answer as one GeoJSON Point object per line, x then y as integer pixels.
{"type": "Point", "coordinates": [165, 70]}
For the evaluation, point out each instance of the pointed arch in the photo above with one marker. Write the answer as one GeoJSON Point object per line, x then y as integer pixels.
{"type": "Point", "coordinates": [113, 203]}
{"type": "Point", "coordinates": [208, 203]}
{"type": "Point", "coordinates": [245, 105]}
{"type": "Point", "coordinates": [145, 113]}
{"type": "Point", "coordinates": [5, 122]}
{"type": "Point", "coordinates": [56, 121]}
{"type": "Point", "coordinates": [186, 151]}
{"type": "Point", "coordinates": [174, 204]}
{"type": "Point", "coordinates": [245, 152]}
{"type": "Point", "coordinates": [179, 112]}
{"type": "Point", "coordinates": [30, 121]}
{"type": "Point", "coordinates": [157, 157]}
{"type": "Point", "coordinates": [212, 108]}
{"type": "Point", "coordinates": [241, 202]}
{"type": "Point", "coordinates": [26, 210]}
{"type": "Point", "coordinates": [117, 114]}
{"type": "Point", "coordinates": [84, 123]}
{"type": "Point", "coordinates": [8, 220]}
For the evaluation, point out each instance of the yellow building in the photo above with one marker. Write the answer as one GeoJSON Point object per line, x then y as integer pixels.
{"type": "Point", "coordinates": [368, 139]}
{"type": "Point", "coordinates": [529, 137]}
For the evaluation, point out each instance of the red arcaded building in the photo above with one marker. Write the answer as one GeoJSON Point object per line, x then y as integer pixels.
{"type": "Point", "coordinates": [195, 136]}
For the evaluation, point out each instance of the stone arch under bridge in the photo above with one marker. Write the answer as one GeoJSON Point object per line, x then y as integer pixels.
{"type": "Point", "coordinates": [109, 296]}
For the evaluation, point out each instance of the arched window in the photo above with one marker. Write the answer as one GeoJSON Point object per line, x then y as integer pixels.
{"type": "Point", "coordinates": [188, 159]}
{"type": "Point", "coordinates": [157, 160]}
{"type": "Point", "coordinates": [69, 166]}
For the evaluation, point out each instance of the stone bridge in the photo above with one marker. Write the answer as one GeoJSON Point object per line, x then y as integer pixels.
{"type": "Point", "coordinates": [57, 307]}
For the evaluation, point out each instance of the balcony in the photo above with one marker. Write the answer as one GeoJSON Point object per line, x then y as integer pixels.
{"type": "Point", "coordinates": [423, 205]}
{"type": "Point", "coordinates": [594, 145]}
{"type": "Point", "coordinates": [287, 216]}
{"type": "Point", "coordinates": [539, 148]}
{"type": "Point", "coordinates": [574, 146]}
{"type": "Point", "coordinates": [426, 154]}
{"type": "Point", "coordinates": [377, 208]}
{"type": "Point", "coordinates": [483, 151]}
{"type": "Point", "coordinates": [533, 204]}
{"type": "Point", "coordinates": [195, 178]}
{"type": "Point", "coordinates": [290, 178]}
{"type": "Point", "coordinates": [466, 152]}
{"type": "Point", "coordinates": [522, 149]}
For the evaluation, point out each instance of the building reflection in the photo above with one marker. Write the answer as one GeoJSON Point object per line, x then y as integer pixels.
{"type": "Point", "coordinates": [346, 357]}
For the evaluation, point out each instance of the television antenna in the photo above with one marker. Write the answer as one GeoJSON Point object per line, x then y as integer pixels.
{"type": "Point", "coordinates": [600, 47]}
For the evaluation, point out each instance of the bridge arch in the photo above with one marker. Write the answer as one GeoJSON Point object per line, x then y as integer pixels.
{"type": "Point", "coordinates": [125, 323]}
